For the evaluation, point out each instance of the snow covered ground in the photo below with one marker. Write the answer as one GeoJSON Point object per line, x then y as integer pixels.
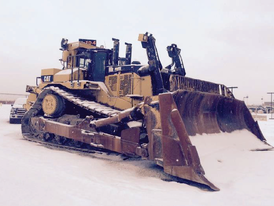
{"type": "Point", "coordinates": [34, 175]}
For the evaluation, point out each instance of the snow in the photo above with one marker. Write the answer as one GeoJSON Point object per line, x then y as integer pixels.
{"type": "Point", "coordinates": [32, 174]}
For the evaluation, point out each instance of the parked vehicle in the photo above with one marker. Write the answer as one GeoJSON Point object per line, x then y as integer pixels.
{"type": "Point", "coordinates": [257, 109]}
{"type": "Point", "coordinates": [17, 110]}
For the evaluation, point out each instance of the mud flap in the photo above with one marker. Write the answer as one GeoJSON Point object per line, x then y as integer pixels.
{"type": "Point", "coordinates": [180, 157]}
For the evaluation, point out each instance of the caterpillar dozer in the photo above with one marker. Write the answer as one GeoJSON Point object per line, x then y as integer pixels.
{"type": "Point", "coordinates": [101, 101]}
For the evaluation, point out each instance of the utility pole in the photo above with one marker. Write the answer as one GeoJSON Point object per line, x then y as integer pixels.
{"type": "Point", "coordinates": [271, 104]}
{"type": "Point", "coordinates": [231, 89]}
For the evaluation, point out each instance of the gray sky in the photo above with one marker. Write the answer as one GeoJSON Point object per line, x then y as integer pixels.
{"type": "Point", "coordinates": [223, 41]}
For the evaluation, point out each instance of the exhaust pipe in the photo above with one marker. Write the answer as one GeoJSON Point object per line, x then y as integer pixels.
{"type": "Point", "coordinates": [115, 54]}
{"type": "Point", "coordinates": [128, 53]}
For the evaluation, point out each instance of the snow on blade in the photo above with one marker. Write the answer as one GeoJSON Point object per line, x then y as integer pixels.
{"type": "Point", "coordinates": [226, 155]}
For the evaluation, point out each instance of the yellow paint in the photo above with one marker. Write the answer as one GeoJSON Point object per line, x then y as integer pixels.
{"type": "Point", "coordinates": [30, 101]}
{"type": "Point", "coordinates": [50, 71]}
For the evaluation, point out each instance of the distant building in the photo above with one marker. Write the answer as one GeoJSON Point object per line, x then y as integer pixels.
{"type": "Point", "coordinates": [9, 98]}
{"type": "Point", "coordinates": [6, 102]}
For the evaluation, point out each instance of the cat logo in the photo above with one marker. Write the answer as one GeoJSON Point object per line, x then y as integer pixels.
{"type": "Point", "coordinates": [47, 78]}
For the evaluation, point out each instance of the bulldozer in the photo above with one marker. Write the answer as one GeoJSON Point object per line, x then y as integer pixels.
{"type": "Point", "coordinates": [101, 101]}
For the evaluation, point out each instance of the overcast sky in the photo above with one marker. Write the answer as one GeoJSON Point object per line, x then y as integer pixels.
{"type": "Point", "coordinates": [223, 41]}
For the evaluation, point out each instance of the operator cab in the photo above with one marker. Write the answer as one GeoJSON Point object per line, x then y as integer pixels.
{"type": "Point", "coordinates": [87, 57]}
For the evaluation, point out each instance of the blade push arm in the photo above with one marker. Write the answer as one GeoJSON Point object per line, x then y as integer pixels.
{"type": "Point", "coordinates": [155, 66]}
{"type": "Point", "coordinates": [174, 54]}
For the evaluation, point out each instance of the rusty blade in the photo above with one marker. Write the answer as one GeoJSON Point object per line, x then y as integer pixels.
{"type": "Point", "coordinates": [212, 113]}
{"type": "Point", "coordinates": [180, 157]}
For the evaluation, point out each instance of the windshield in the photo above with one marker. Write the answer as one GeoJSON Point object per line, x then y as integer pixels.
{"type": "Point", "coordinates": [20, 101]}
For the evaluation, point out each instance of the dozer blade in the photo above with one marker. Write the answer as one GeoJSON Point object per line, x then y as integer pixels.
{"type": "Point", "coordinates": [185, 113]}
{"type": "Point", "coordinates": [180, 157]}
{"type": "Point", "coordinates": [211, 113]}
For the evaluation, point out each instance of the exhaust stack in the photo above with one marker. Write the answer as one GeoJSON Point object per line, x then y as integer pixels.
{"type": "Point", "coordinates": [128, 53]}
{"type": "Point", "coordinates": [115, 54]}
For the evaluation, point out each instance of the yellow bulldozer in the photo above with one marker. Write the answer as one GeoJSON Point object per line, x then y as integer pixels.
{"type": "Point", "coordinates": [101, 101]}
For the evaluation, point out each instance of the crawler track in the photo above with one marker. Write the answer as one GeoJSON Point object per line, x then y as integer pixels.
{"type": "Point", "coordinates": [31, 134]}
